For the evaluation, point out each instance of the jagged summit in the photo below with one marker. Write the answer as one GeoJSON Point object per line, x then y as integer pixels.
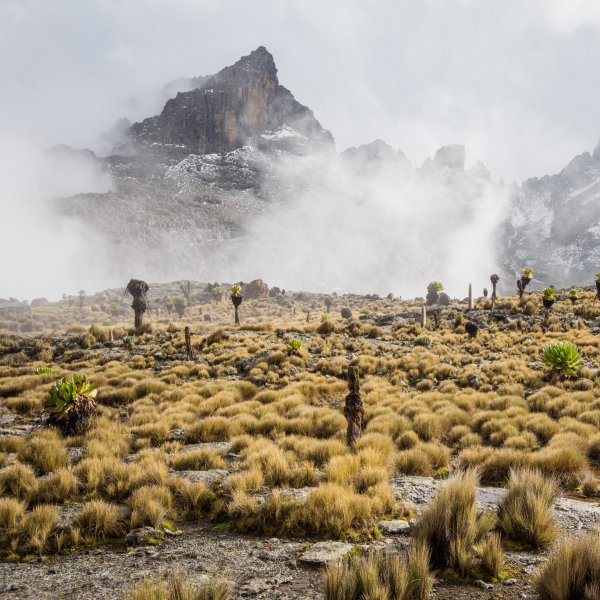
{"type": "Point", "coordinates": [260, 60]}
{"type": "Point", "coordinates": [227, 111]}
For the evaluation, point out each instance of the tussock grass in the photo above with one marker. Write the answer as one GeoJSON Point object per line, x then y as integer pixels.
{"type": "Point", "coordinates": [198, 460]}
{"type": "Point", "coordinates": [451, 527]}
{"type": "Point", "coordinates": [99, 520]}
{"type": "Point", "coordinates": [191, 498]}
{"type": "Point", "coordinates": [178, 587]}
{"type": "Point", "coordinates": [44, 451]}
{"type": "Point", "coordinates": [19, 481]}
{"type": "Point", "coordinates": [150, 505]}
{"type": "Point", "coordinates": [491, 555]}
{"type": "Point", "coordinates": [212, 429]}
{"type": "Point", "coordinates": [36, 526]}
{"type": "Point", "coordinates": [380, 575]}
{"type": "Point", "coordinates": [11, 511]}
{"type": "Point", "coordinates": [572, 569]}
{"type": "Point", "coordinates": [58, 487]}
{"type": "Point", "coordinates": [525, 514]}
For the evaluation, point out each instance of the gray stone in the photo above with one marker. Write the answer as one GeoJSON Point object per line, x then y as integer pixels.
{"type": "Point", "coordinates": [143, 536]}
{"type": "Point", "coordinates": [323, 553]}
{"type": "Point", "coordinates": [222, 447]}
{"type": "Point", "coordinates": [394, 526]}
{"type": "Point", "coordinates": [483, 584]}
{"type": "Point", "coordinates": [76, 454]}
{"type": "Point", "coordinates": [208, 477]}
{"type": "Point", "coordinates": [178, 434]}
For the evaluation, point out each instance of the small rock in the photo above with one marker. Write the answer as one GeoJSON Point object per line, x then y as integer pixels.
{"type": "Point", "coordinates": [394, 526]}
{"type": "Point", "coordinates": [484, 585]}
{"type": "Point", "coordinates": [177, 434]}
{"type": "Point", "coordinates": [143, 536]}
{"type": "Point", "coordinates": [253, 587]}
{"type": "Point", "coordinates": [323, 553]}
{"type": "Point", "coordinates": [208, 477]}
{"type": "Point", "coordinates": [511, 581]}
{"type": "Point", "coordinates": [76, 454]}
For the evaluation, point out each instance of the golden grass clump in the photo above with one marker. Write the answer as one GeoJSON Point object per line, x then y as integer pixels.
{"type": "Point", "coordinates": [18, 480]}
{"type": "Point", "coordinates": [332, 511]}
{"type": "Point", "coordinates": [11, 510]}
{"type": "Point", "coordinates": [99, 520]}
{"type": "Point", "coordinates": [451, 527]}
{"type": "Point", "coordinates": [525, 514]}
{"type": "Point", "coordinates": [150, 505]}
{"type": "Point", "coordinates": [380, 575]}
{"type": "Point", "coordinates": [212, 429]}
{"type": "Point", "coordinates": [572, 569]}
{"type": "Point", "coordinates": [36, 526]}
{"type": "Point", "coordinates": [191, 497]}
{"type": "Point", "coordinates": [44, 451]}
{"type": "Point", "coordinates": [198, 460]}
{"type": "Point", "coordinates": [178, 587]}
{"type": "Point", "coordinates": [58, 487]}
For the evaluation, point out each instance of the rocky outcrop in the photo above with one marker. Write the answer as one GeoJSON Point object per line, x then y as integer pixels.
{"type": "Point", "coordinates": [372, 158]}
{"type": "Point", "coordinates": [256, 289]}
{"type": "Point", "coordinates": [227, 111]}
{"type": "Point", "coordinates": [553, 225]}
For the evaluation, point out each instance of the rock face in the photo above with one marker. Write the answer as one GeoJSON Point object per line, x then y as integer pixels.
{"type": "Point", "coordinates": [256, 289]}
{"type": "Point", "coordinates": [553, 225]}
{"type": "Point", "coordinates": [227, 111]}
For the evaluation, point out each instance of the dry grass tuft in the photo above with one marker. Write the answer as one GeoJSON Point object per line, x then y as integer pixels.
{"type": "Point", "coordinates": [18, 480]}
{"type": "Point", "coordinates": [381, 575]}
{"type": "Point", "coordinates": [178, 587]}
{"type": "Point", "coordinates": [11, 511]}
{"type": "Point", "coordinates": [150, 505]}
{"type": "Point", "coordinates": [450, 525]}
{"type": "Point", "coordinates": [36, 526]}
{"type": "Point", "coordinates": [525, 515]}
{"type": "Point", "coordinates": [572, 570]}
{"type": "Point", "coordinates": [44, 451]}
{"type": "Point", "coordinates": [198, 460]}
{"type": "Point", "coordinates": [99, 520]}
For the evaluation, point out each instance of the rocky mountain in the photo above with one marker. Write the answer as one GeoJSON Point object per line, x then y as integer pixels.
{"type": "Point", "coordinates": [232, 167]}
{"type": "Point", "coordinates": [231, 109]}
{"type": "Point", "coordinates": [555, 223]}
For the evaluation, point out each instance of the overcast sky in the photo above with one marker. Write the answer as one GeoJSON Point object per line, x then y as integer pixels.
{"type": "Point", "coordinates": [515, 81]}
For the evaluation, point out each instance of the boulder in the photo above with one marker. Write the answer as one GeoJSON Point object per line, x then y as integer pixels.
{"type": "Point", "coordinates": [324, 553]}
{"type": "Point", "coordinates": [256, 289]}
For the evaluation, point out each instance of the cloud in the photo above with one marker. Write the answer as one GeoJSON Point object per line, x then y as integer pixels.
{"type": "Point", "coordinates": [45, 253]}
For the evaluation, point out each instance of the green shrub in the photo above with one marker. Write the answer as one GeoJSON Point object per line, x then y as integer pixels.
{"type": "Point", "coordinates": [562, 358]}
{"type": "Point", "coordinates": [71, 404]}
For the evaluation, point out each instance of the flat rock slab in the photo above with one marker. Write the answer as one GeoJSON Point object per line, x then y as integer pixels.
{"type": "Point", "coordinates": [208, 477]}
{"type": "Point", "coordinates": [323, 553]}
{"type": "Point", "coordinates": [221, 447]}
{"type": "Point", "coordinates": [394, 526]}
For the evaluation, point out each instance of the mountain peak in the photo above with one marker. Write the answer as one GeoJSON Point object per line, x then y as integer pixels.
{"type": "Point", "coordinates": [260, 57]}
{"type": "Point", "coordinates": [228, 110]}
